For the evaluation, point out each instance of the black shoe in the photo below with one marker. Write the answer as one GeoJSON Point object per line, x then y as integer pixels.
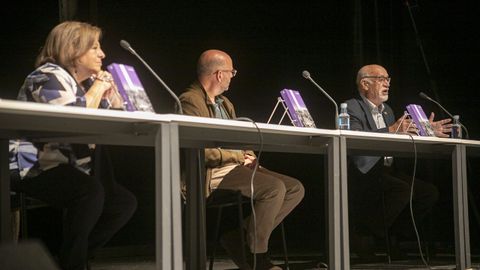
{"type": "Point", "coordinates": [263, 262]}
{"type": "Point", "coordinates": [396, 253]}
{"type": "Point", "coordinates": [362, 246]}
{"type": "Point", "coordinates": [230, 241]}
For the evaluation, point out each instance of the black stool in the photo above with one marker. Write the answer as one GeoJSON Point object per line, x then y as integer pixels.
{"type": "Point", "coordinates": [27, 203]}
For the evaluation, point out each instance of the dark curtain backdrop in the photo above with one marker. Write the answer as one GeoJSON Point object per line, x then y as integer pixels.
{"type": "Point", "coordinates": [271, 43]}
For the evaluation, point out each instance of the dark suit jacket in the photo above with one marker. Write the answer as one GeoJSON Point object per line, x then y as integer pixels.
{"type": "Point", "coordinates": [361, 119]}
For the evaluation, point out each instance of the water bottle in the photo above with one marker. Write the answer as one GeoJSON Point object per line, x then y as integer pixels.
{"type": "Point", "coordinates": [343, 117]}
{"type": "Point", "coordinates": [456, 128]}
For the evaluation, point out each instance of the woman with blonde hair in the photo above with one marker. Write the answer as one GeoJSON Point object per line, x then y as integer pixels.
{"type": "Point", "coordinates": [69, 72]}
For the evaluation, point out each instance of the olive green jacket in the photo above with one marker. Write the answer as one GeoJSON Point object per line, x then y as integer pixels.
{"type": "Point", "coordinates": [195, 102]}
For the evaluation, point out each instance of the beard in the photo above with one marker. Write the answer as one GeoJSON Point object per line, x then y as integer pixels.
{"type": "Point", "coordinates": [382, 96]}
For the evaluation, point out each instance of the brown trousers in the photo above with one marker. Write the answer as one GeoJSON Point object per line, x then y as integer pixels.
{"type": "Point", "coordinates": [275, 196]}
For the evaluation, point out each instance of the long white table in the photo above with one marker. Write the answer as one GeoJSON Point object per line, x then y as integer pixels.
{"type": "Point", "coordinates": [169, 133]}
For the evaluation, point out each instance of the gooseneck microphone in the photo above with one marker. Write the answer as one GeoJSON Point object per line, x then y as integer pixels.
{"type": "Point", "coordinates": [424, 96]}
{"type": "Point", "coordinates": [129, 48]}
{"type": "Point", "coordinates": [307, 76]}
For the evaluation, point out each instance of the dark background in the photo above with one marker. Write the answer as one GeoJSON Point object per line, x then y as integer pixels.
{"type": "Point", "coordinates": [271, 43]}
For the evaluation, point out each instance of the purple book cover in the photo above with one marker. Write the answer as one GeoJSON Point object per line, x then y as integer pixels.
{"type": "Point", "coordinates": [296, 108]}
{"type": "Point", "coordinates": [130, 87]}
{"type": "Point", "coordinates": [420, 120]}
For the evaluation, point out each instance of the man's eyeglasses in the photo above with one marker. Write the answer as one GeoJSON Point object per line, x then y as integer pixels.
{"type": "Point", "coordinates": [380, 79]}
{"type": "Point", "coordinates": [233, 71]}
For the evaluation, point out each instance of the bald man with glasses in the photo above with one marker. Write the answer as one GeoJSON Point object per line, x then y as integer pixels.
{"type": "Point", "coordinates": [276, 195]}
{"type": "Point", "coordinates": [378, 193]}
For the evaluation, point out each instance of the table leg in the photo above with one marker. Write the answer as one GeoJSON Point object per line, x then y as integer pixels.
{"type": "Point", "coordinates": [5, 211]}
{"type": "Point", "coordinates": [195, 209]}
{"type": "Point", "coordinates": [167, 200]}
{"type": "Point", "coordinates": [460, 208]}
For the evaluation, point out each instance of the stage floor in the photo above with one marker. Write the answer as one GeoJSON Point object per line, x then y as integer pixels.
{"type": "Point", "coordinates": [298, 261]}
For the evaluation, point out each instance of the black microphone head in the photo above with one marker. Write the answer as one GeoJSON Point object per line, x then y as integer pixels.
{"type": "Point", "coordinates": [306, 74]}
{"type": "Point", "coordinates": [423, 95]}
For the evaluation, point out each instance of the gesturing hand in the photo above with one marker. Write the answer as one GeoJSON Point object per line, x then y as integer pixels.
{"type": "Point", "coordinates": [441, 128]}
{"type": "Point", "coordinates": [404, 125]}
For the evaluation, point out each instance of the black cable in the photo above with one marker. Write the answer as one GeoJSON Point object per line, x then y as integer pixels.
{"type": "Point", "coordinates": [260, 135]}
{"type": "Point", "coordinates": [411, 202]}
